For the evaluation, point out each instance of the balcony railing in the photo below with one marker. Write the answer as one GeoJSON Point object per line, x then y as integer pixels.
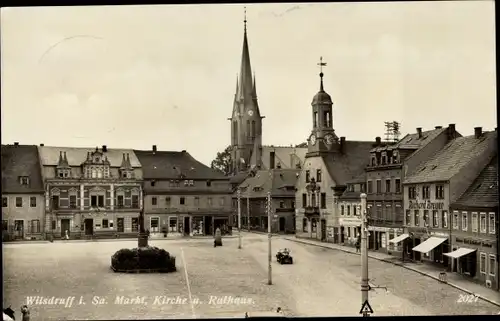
{"type": "Point", "coordinates": [311, 210]}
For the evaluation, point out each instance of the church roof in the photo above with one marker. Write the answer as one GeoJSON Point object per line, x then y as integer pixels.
{"type": "Point", "coordinates": [448, 162]}
{"type": "Point", "coordinates": [75, 156]}
{"type": "Point", "coordinates": [350, 163]}
{"type": "Point", "coordinates": [322, 97]}
{"type": "Point", "coordinates": [483, 192]}
{"type": "Point", "coordinates": [280, 182]}
{"type": "Point", "coordinates": [285, 156]}
{"type": "Point", "coordinates": [172, 165]}
{"type": "Point", "coordinates": [18, 161]}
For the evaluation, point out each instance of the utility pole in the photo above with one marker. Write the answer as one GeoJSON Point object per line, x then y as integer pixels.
{"type": "Point", "coordinates": [269, 210]}
{"type": "Point", "coordinates": [239, 218]}
{"type": "Point", "coordinates": [365, 287]}
{"type": "Point", "coordinates": [248, 208]}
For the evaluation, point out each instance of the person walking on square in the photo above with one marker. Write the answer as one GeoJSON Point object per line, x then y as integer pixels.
{"type": "Point", "coordinates": [358, 245]}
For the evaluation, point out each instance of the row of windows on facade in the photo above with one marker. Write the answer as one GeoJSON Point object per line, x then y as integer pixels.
{"type": "Point", "coordinates": [182, 201]}
{"type": "Point", "coordinates": [351, 231]}
{"type": "Point", "coordinates": [95, 172]}
{"type": "Point", "coordinates": [483, 264]}
{"type": "Point", "coordinates": [384, 158]}
{"type": "Point", "coordinates": [177, 183]}
{"type": "Point", "coordinates": [262, 204]}
{"type": "Point", "coordinates": [377, 213]}
{"type": "Point", "coordinates": [413, 192]}
{"type": "Point", "coordinates": [95, 201]}
{"type": "Point", "coordinates": [483, 221]}
{"type": "Point", "coordinates": [313, 201]}
{"type": "Point", "coordinates": [327, 119]}
{"type": "Point", "coordinates": [388, 186]}
{"type": "Point", "coordinates": [33, 227]}
{"type": "Point", "coordinates": [19, 201]}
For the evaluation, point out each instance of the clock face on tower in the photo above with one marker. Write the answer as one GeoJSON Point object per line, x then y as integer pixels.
{"type": "Point", "coordinates": [329, 139]}
{"type": "Point", "coordinates": [250, 113]}
{"type": "Point", "coordinates": [312, 139]}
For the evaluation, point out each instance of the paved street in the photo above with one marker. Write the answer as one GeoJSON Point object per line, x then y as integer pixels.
{"type": "Point", "coordinates": [322, 282]}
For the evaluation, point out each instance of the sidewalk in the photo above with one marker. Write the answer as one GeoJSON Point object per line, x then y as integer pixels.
{"type": "Point", "coordinates": [454, 279]}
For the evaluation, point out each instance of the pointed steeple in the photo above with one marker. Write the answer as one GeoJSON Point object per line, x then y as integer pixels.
{"type": "Point", "coordinates": [245, 84]}
{"type": "Point", "coordinates": [237, 87]}
{"type": "Point", "coordinates": [254, 87]}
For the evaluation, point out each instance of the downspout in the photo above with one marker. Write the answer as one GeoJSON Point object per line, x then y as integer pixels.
{"type": "Point", "coordinates": [497, 223]}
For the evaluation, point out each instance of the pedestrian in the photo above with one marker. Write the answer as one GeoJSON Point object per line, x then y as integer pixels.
{"type": "Point", "coordinates": [26, 313]}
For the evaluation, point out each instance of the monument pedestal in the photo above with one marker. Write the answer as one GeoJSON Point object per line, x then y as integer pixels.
{"type": "Point", "coordinates": [143, 240]}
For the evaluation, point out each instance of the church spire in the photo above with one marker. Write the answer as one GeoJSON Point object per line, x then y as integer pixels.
{"type": "Point", "coordinates": [245, 85]}
{"type": "Point", "coordinates": [254, 87]}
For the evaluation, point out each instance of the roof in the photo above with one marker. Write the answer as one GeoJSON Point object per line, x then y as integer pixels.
{"type": "Point", "coordinates": [21, 160]}
{"type": "Point", "coordinates": [361, 178]}
{"type": "Point", "coordinates": [49, 155]}
{"type": "Point", "coordinates": [412, 141]}
{"type": "Point", "coordinates": [280, 182]}
{"type": "Point", "coordinates": [483, 192]}
{"type": "Point", "coordinates": [285, 156]}
{"type": "Point", "coordinates": [169, 165]}
{"type": "Point", "coordinates": [350, 164]}
{"type": "Point", "coordinates": [451, 159]}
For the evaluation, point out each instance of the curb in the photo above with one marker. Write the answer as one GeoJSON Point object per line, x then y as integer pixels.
{"type": "Point", "coordinates": [403, 266]}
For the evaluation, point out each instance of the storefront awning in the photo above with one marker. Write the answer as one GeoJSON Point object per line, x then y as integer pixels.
{"type": "Point", "coordinates": [460, 252]}
{"type": "Point", "coordinates": [429, 244]}
{"type": "Point", "coordinates": [400, 238]}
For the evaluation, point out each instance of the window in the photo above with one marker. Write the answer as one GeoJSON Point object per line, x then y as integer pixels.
{"type": "Point", "coordinates": [482, 263]}
{"type": "Point", "coordinates": [348, 232]}
{"type": "Point", "coordinates": [398, 185]}
{"type": "Point", "coordinates": [5, 225]}
{"type": "Point", "coordinates": [304, 200]}
{"type": "Point", "coordinates": [168, 201]}
{"type": "Point", "coordinates": [196, 201]}
{"type": "Point", "coordinates": [464, 221]}
{"type": "Point", "coordinates": [374, 161]}
{"type": "Point", "coordinates": [72, 201]}
{"type": "Point", "coordinates": [313, 225]}
{"type": "Point", "coordinates": [435, 219]}
{"type": "Point", "coordinates": [53, 226]}
{"type": "Point", "coordinates": [412, 192]}
{"type": "Point", "coordinates": [492, 265]}
{"type": "Point", "coordinates": [105, 223]}
{"type": "Point", "coordinates": [135, 201]}
{"type": "Point", "coordinates": [282, 204]}
{"type": "Point", "coordinates": [209, 183]}
{"type": "Point", "coordinates": [135, 224]}
{"type": "Point", "coordinates": [341, 209]}
{"type": "Point", "coordinates": [19, 202]}
{"type": "Point", "coordinates": [387, 185]}
{"type": "Point", "coordinates": [370, 187]}
{"type": "Point", "coordinates": [32, 201]}
{"type": "Point", "coordinates": [348, 210]}
{"type": "Point", "coordinates": [304, 225]}
{"type": "Point", "coordinates": [153, 183]}
{"type": "Point", "coordinates": [307, 176]}
{"type": "Point", "coordinates": [318, 175]}
{"type": "Point", "coordinates": [354, 208]}
{"type": "Point", "coordinates": [408, 217]}
{"type": "Point", "coordinates": [439, 192]}
{"type": "Point", "coordinates": [323, 200]}
{"type": "Point", "coordinates": [173, 224]}
{"type": "Point", "coordinates": [313, 200]}
{"type": "Point", "coordinates": [221, 201]}
{"type": "Point", "coordinates": [315, 119]}
{"type": "Point", "coordinates": [35, 226]}
{"type": "Point", "coordinates": [253, 128]}
{"type": "Point", "coordinates": [482, 222]}
{"type": "Point", "coordinates": [379, 186]}
{"type": "Point", "coordinates": [24, 180]}
{"type": "Point", "coordinates": [154, 200]}
{"type": "Point", "coordinates": [492, 223]}
{"type": "Point", "coordinates": [426, 218]}
{"type": "Point", "coordinates": [416, 217]}
{"type": "Point", "coordinates": [455, 220]}
{"type": "Point", "coordinates": [426, 192]}
{"type": "Point", "coordinates": [182, 201]}
{"type": "Point", "coordinates": [293, 204]}
{"type": "Point", "coordinates": [93, 200]}
{"type": "Point", "coordinates": [100, 200]}
{"type": "Point", "coordinates": [363, 187]}
{"type": "Point", "coordinates": [5, 202]}
{"type": "Point", "coordinates": [55, 202]}
{"type": "Point", "coordinates": [474, 222]}
{"type": "Point", "coordinates": [120, 201]}
{"type": "Point", "coordinates": [444, 224]}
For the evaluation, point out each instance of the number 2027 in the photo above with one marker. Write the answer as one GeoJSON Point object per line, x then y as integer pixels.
{"type": "Point", "coordinates": [467, 298]}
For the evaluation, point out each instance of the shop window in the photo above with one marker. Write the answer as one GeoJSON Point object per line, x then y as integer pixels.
{"type": "Point", "coordinates": [416, 217]}
{"type": "Point", "coordinates": [35, 226]}
{"type": "Point", "coordinates": [455, 220]}
{"type": "Point", "coordinates": [408, 217]}
{"type": "Point", "coordinates": [445, 220]}
{"type": "Point", "coordinates": [435, 219]}
{"type": "Point", "coordinates": [173, 224]}
{"type": "Point", "coordinates": [464, 221]}
{"type": "Point", "coordinates": [135, 224]}
{"type": "Point", "coordinates": [482, 263]}
{"type": "Point", "coordinates": [304, 225]}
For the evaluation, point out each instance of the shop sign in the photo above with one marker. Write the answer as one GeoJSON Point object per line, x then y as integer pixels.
{"type": "Point", "coordinates": [474, 242]}
{"type": "Point", "coordinates": [417, 230]}
{"type": "Point", "coordinates": [378, 229]}
{"type": "Point", "coordinates": [427, 205]}
{"type": "Point", "coordinates": [439, 234]}
{"type": "Point", "coordinates": [349, 221]}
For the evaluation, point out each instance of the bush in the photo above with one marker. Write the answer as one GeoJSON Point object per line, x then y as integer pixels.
{"type": "Point", "coordinates": [147, 258]}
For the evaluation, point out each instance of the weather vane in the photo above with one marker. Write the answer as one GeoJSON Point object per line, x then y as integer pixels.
{"type": "Point", "coordinates": [321, 64]}
{"type": "Point", "coordinates": [245, 21]}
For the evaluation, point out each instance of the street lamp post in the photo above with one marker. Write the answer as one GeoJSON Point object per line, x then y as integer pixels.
{"type": "Point", "coordinates": [239, 218]}
{"type": "Point", "coordinates": [365, 287]}
{"type": "Point", "coordinates": [269, 210]}
{"type": "Point", "coordinates": [248, 208]}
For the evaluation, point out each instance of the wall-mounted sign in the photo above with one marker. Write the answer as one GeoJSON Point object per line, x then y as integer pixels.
{"type": "Point", "coordinates": [427, 205]}
{"type": "Point", "coordinates": [474, 242]}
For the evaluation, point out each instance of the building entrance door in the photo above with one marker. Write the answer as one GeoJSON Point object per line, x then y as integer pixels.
{"type": "Point", "coordinates": [323, 230]}
{"type": "Point", "coordinates": [342, 236]}
{"type": "Point", "coordinates": [282, 224]}
{"type": "Point", "coordinates": [186, 226]}
{"type": "Point", "coordinates": [64, 227]}
{"type": "Point", "coordinates": [89, 226]}
{"type": "Point", "coordinates": [18, 229]}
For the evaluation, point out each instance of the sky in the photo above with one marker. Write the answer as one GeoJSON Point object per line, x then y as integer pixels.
{"type": "Point", "coordinates": [137, 76]}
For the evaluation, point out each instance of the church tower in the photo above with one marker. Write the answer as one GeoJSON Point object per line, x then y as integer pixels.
{"type": "Point", "coordinates": [322, 138]}
{"type": "Point", "coordinates": [246, 121]}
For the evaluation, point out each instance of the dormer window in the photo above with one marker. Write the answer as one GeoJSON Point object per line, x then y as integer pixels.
{"type": "Point", "coordinates": [24, 180]}
{"type": "Point", "coordinates": [384, 158]}
{"type": "Point", "coordinates": [374, 160]}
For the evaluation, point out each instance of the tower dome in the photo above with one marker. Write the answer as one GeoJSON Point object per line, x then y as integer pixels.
{"type": "Point", "coordinates": [322, 97]}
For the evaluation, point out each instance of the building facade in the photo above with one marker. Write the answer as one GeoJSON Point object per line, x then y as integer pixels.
{"type": "Point", "coordinates": [183, 196]}
{"type": "Point", "coordinates": [91, 193]}
{"type": "Point", "coordinates": [474, 229]}
{"type": "Point", "coordinates": [23, 200]}
{"type": "Point", "coordinates": [280, 183]}
{"type": "Point", "coordinates": [350, 210]}
{"type": "Point", "coordinates": [436, 184]}
{"type": "Point", "coordinates": [329, 164]}
{"type": "Point", "coordinates": [387, 167]}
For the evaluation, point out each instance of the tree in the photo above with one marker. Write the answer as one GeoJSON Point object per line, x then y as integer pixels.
{"type": "Point", "coordinates": [223, 161]}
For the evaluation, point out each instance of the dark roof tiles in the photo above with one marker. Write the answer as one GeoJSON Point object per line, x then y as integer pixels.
{"type": "Point", "coordinates": [280, 182]}
{"type": "Point", "coordinates": [18, 161]}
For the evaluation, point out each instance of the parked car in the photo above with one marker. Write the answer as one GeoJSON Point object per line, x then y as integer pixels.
{"type": "Point", "coordinates": [283, 256]}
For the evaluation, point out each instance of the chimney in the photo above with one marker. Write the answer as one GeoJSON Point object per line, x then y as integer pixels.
{"type": "Point", "coordinates": [16, 143]}
{"type": "Point", "coordinates": [342, 144]}
{"type": "Point", "coordinates": [451, 131]}
{"type": "Point", "coordinates": [104, 148]}
{"type": "Point", "coordinates": [183, 151]}
{"type": "Point", "coordinates": [419, 132]}
{"type": "Point", "coordinates": [42, 145]}
{"type": "Point", "coordinates": [478, 131]}
{"type": "Point", "coordinates": [271, 159]}
{"type": "Point", "coordinates": [439, 127]}
{"type": "Point", "coordinates": [154, 148]}
{"type": "Point", "coordinates": [378, 140]}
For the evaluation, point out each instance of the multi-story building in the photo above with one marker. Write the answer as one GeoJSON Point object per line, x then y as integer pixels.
{"type": "Point", "coordinates": [436, 184]}
{"type": "Point", "coordinates": [253, 200]}
{"type": "Point", "coordinates": [23, 194]}
{"type": "Point", "coordinates": [350, 210]}
{"type": "Point", "coordinates": [183, 196]}
{"type": "Point", "coordinates": [91, 192]}
{"type": "Point", "coordinates": [389, 163]}
{"type": "Point", "coordinates": [329, 164]}
{"type": "Point", "coordinates": [474, 229]}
